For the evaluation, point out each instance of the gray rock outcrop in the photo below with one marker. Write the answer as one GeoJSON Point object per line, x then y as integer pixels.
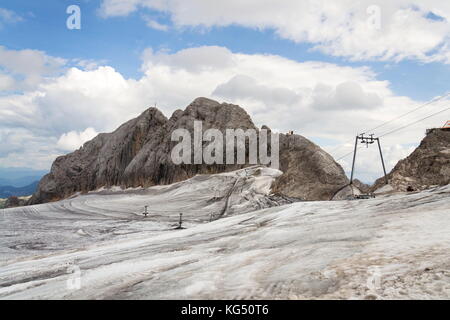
{"type": "Point", "coordinates": [427, 166]}
{"type": "Point", "coordinates": [361, 186]}
{"type": "Point", "coordinates": [138, 153]}
{"type": "Point", "coordinates": [309, 173]}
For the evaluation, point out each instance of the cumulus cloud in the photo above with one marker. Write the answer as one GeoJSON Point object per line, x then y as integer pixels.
{"type": "Point", "coordinates": [28, 67]}
{"type": "Point", "coordinates": [20, 147]}
{"type": "Point", "coordinates": [346, 95]}
{"type": "Point", "coordinates": [29, 62]}
{"type": "Point", "coordinates": [322, 101]}
{"type": "Point", "coordinates": [200, 59]}
{"type": "Point", "coordinates": [73, 140]}
{"type": "Point", "coordinates": [7, 82]}
{"type": "Point", "coordinates": [362, 30]}
{"type": "Point", "coordinates": [245, 87]}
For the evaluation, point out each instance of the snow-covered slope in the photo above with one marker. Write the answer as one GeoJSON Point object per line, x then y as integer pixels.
{"type": "Point", "coordinates": [389, 247]}
{"type": "Point", "coordinates": [109, 214]}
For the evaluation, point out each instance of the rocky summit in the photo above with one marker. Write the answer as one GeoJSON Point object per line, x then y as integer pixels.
{"type": "Point", "coordinates": [427, 166]}
{"type": "Point", "coordinates": [138, 154]}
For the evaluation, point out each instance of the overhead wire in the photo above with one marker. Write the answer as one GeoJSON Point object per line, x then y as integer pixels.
{"type": "Point", "coordinates": [414, 122]}
{"type": "Point", "coordinates": [434, 100]}
{"type": "Point", "coordinates": [409, 112]}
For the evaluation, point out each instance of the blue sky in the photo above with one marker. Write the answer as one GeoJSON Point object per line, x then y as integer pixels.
{"type": "Point", "coordinates": [119, 42]}
{"type": "Point", "coordinates": [295, 65]}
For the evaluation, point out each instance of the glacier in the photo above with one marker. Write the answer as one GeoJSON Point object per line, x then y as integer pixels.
{"type": "Point", "coordinates": [240, 242]}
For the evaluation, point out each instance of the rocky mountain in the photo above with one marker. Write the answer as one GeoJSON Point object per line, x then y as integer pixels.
{"type": "Point", "coordinates": [427, 166]}
{"type": "Point", "coordinates": [309, 173]}
{"type": "Point", "coordinates": [138, 153]}
{"type": "Point", "coordinates": [363, 187]}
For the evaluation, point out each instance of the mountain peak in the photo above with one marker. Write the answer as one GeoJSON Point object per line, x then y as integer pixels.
{"type": "Point", "coordinates": [204, 101]}
{"type": "Point", "coordinates": [138, 153]}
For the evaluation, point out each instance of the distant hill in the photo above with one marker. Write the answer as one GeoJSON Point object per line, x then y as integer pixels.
{"type": "Point", "coordinates": [8, 191]}
{"type": "Point", "coordinates": [20, 177]}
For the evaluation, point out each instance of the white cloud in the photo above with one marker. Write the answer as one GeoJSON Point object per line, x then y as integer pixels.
{"type": "Point", "coordinates": [346, 95]}
{"type": "Point", "coordinates": [29, 62]}
{"type": "Point", "coordinates": [342, 28]}
{"type": "Point", "coordinates": [152, 23]}
{"type": "Point", "coordinates": [276, 91]}
{"type": "Point", "coordinates": [200, 59]}
{"type": "Point", "coordinates": [118, 7]}
{"type": "Point", "coordinates": [20, 147]}
{"type": "Point", "coordinates": [6, 82]}
{"type": "Point", "coordinates": [88, 64]}
{"type": "Point", "coordinates": [368, 166]}
{"type": "Point", "coordinates": [29, 67]}
{"type": "Point", "coordinates": [72, 140]}
{"type": "Point", "coordinates": [8, 17]}
{"type": "Point", "coordinates": [245, 87]}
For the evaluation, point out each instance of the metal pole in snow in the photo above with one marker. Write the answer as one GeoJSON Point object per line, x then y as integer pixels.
{"type": "Point", "coordinates": [382, 161]}
{"type": "Point", "coordinates": [145, 210]}
{"type": "Point", "coordinates": [353, 164]}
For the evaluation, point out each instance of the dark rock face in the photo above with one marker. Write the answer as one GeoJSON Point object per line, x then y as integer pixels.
{"type": "Point", "coordinates": [364, 188]}
{"type": "Point", "coordinates": [138, 153]}
{"type": "Point", "coordinates": [309, 173]}
{"type": "Point", "coordinates": [428, 165]}
{"type": "Point", "coordinates": [14, 201]}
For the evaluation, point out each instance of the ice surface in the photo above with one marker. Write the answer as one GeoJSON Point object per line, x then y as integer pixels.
{"type": "Point", "coordinates": [115, 213]}
{"type": "Point", "coordinates": [390, 247]}
{"type": "Point", "coordinates": [385, 188]}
